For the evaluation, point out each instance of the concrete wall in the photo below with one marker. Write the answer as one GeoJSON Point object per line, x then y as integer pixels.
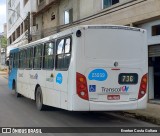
{"type": "Point", "coordinates": [148, 26]}
{"type": "Point", "coordinates": [64, 5]}
{"type": "Point", "coordinates": [124, 14]}
{"type": "Point", "coordinates": [89, 7]}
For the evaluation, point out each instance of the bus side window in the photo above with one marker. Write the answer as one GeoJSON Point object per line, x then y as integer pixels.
{"type": "Point", "coordinates": [59, 53]}
{"type": "Point", "coordinates": [31, 58]}
{"type": "Point", "coordinates": [28, 58]}
{"type": "Point", "coordinates": [67, 55]}
{"type": "Point", "coordinates": [22, 59]}
{"type": "Point", "coordinates": [20, 62]}
{"type": "Point", "coordinates": [63, 54]}
{"type": "Point", "coordinates": [38, 56]}
{"type": "Point", "coordinates": [15, 60]}
{"type": "Point", "coordinates": [10, 61]}
{"type": "Point", "coordinates": [48, 55]}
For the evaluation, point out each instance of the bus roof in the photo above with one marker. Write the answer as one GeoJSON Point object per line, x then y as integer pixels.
{"type": "Point", "coordinates": [73, 29]}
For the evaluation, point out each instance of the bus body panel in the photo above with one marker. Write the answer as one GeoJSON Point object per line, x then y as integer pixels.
{"type": "Point", "coordinates": [96, 49]}
{"type": "Point", "coordinates": [98, 90]}
{"type": "Point", "coordinates": [98, 54]}
{"type": "Point", "coordinates": [12, 77]}
{"type": "Point", "coordinates": [52, 96]}
{"type": "Point", "coordinates": [61, 85]}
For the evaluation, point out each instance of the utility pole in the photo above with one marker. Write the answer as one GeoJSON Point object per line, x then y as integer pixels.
{"type": "Point", "coordinates": [28, 22]}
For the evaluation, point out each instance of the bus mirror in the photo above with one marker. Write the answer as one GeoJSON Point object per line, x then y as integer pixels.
{"type": "Point", "coordinates": [78, 33]}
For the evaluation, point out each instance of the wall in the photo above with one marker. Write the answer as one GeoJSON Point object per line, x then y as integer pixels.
{"type": "Point", "coordinates": [124, 14]}
{"type": "Point", "coordinates": [66, 5]}
{"type": "Point", "coordinates": [148, 26]}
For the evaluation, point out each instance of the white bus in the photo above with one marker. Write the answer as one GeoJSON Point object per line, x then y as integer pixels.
{"type": "Point", "coordinates": [85, 68]}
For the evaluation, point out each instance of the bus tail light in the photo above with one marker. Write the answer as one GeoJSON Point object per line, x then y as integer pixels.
{"type": "Point", "coordinates": [81, 84]}
{"type": "Point", "coordinates": [143, 87]}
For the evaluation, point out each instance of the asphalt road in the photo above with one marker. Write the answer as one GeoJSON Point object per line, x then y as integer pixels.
{"type": "Point", "coordinates": [22, 112]}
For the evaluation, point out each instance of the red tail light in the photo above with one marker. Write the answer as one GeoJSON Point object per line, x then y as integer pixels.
{"type": "Point", "coordinates": [82, 89]}
{"type": "Point", "coordinates": [143, 87]}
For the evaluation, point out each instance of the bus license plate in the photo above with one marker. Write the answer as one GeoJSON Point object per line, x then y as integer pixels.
{"type": "Point", "coordinates": [113, 97]}
{"type": "Point", "coordinates": [128, 78]}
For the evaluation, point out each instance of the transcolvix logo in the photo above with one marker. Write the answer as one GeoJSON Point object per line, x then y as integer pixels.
{"type": "Point", "coordinates": [116, 90]}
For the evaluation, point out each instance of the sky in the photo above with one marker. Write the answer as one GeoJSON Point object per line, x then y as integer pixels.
{"type": "Point", "coordinates": [2, 14]}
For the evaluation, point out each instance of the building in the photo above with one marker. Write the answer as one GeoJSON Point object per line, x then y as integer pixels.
{"type": "Point", "coordinates": [19, 21]}
{"type": "Point", "coordinates": [45, 18]}
{"type": "Point", "coordinates": [5, 29]}
{"type": "Point", "coordinates": [56, 15]}
{"type": "Point", "coordinates": [3, 49]}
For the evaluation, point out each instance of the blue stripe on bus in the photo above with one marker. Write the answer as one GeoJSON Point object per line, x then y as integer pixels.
{"type": "Point", "coordinates": [13, 73]}
{"type": "Point", "coordinates": [12, 76]}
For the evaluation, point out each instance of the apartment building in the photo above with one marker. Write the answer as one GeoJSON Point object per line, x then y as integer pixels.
{"type": "Point", "coordinates": [52, 16]}
{"type": "Point", "coordinates": [19, 21]}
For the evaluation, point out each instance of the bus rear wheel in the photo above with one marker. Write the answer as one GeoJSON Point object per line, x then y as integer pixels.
{"type": "Point", "coordinates": [39, 99]}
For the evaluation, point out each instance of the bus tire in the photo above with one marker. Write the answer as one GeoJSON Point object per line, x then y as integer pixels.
{"type": "Point", "coordinates": [15, 90]}
{"type": "Point", "coordinates": [39, 99]}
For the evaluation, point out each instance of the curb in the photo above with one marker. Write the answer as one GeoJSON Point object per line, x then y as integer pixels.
{"type": "Point", "coordinates": [3, 74]}
{"type": "Point", "coordinates": [139, 116]}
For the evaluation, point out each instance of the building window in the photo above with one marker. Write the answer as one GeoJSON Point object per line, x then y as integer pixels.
{"type": "Point", "coordinates": [18, 32]}
{"type": "Point", "coordinates": [25, 2]}
{"type": "Point", "coordinates": [68, 16]}
{"type": "Point", "coordinates": [18, 11]}
{"type": "Point", "coordinates": [63, 53]}
{"type": "Point", "coordinates": [14, 37]}
{"type": "Point", "coordinates": [40, 1]}
{"type": "Point", "coordinates": [10, 40]}
{"type": "Point", "coordinates": [52, 16]}
{"type": "Point", "coordinates": [108, 3]}
{"type": "Point", "coordinates": [155, 30]}
{"type": "Point", "coordinates": [10, 21]}
{"type": "Point", "coordinates": [9, 4]}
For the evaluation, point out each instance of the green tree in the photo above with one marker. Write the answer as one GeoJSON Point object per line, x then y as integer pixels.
{"type": "Point", "coordinates": [3, 42]}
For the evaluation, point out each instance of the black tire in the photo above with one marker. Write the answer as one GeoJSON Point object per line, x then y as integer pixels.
{"type": "Point", "coordinates": [15, 90]}
{"type": "Point", "coordinates": [39, 99]}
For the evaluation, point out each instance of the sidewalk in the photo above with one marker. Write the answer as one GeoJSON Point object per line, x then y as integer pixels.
{"type": "Point", "coordinates": [151, 114]}
{"type": "Point", "coordinates": [4, 74]}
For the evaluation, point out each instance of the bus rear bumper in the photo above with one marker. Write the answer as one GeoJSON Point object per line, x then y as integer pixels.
{"type": "Point", "coordinates": [101, 106]}
{"type": "Point", "coordinates": [119, 106]}
{"type": "Point", "coordinates": [82, 105]}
